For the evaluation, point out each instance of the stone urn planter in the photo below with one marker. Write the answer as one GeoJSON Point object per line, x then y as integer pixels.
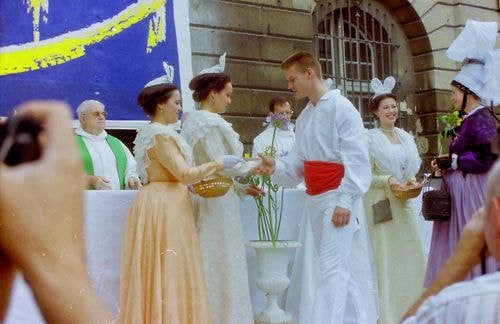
{"type": "Point", "coordinates": [272, 261]}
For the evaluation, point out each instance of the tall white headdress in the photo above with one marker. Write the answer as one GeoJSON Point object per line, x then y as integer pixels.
{"type": "Point", "coordinates": [474, 48]}
{"type": "Point", "coordinates": [382, 88]}
{"type": "Point", "coordinates": [168, 77]}
{"type": "Point", "coordinates": [218, 68]}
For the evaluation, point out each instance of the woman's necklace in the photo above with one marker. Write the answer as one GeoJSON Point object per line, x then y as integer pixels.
{"type": "Point", "coordinates": [391, 134]}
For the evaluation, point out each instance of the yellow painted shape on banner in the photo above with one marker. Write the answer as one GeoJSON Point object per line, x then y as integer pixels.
{"type": "Point", "coordinates": [37, 6]}
{"type": "Point", "coordinates": [157, 29]}
{"type": "Point", "coordinates": [66, 47]}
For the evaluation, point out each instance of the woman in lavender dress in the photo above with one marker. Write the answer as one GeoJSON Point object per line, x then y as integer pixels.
{"type": "Point", "coordinates": [470, 156]}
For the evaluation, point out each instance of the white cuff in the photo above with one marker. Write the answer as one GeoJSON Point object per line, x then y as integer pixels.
{"type": "Point", "coordinates": [345, 201]}
{"type": "Point", "coordinates": [454, 161]}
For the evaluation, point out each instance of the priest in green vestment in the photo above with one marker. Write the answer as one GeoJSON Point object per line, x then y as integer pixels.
{"type": "Point", "coordinates": [108, 163]}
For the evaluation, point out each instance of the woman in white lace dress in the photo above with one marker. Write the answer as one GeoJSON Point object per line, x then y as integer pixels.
{"type": "Point", "coordinates": [219, 226]}
{"type": "Point", "coordinates": [397, 246]}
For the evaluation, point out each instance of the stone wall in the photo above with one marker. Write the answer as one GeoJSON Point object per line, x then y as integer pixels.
{"type": "Point", "coordinates": [258, 34]}
{"type": "Point", "coordinates": [442, 21]}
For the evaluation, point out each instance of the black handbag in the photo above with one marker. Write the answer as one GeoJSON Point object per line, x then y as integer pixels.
{"type": "Point", "coordinates": [436, 205]}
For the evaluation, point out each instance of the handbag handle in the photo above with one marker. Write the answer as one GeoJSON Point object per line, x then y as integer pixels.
{"type": "Point", "coordinates": [428, 179]}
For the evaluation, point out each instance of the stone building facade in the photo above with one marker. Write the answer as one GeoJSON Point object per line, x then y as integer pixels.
{"type": "Point", "coordinates": [355, 40]}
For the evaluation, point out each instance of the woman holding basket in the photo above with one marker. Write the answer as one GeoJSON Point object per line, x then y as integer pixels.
{"type": "Point", "coordinates": [162, 279]}
{"type": "Point", "coordinates": [470, 157]}
{"type": "Point", "coordinates": [397, 246]}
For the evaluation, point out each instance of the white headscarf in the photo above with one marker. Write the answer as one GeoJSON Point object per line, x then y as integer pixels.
{"type": "Point", "coordinates": [474, 47]}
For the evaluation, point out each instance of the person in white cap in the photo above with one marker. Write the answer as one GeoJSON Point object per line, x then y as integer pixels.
{"type": "Point", "coordinates": [470, 158]}
{"type": "Point", "coordinates": [219, 224]}
{"type": "Point", "coordinates": [162, 278]}
{"type": "Point", "coordinates": [397, 246]}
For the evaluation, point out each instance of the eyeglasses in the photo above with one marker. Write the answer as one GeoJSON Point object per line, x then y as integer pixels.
{"type": "Point", "coordinates": [97, 114]}
{"type": "Point", "coordinates": [288, 112]}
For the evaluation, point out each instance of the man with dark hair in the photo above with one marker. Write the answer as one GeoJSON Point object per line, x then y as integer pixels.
{"type": "Point", "coordinates": [284, 137]}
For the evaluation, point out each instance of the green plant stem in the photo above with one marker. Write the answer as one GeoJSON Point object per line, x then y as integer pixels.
{"type": "Point", "coordinates": [269, 214]}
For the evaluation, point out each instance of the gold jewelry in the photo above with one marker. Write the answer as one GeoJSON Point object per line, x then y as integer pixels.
{"type": "Point", "coordinates": [391, 135]}
{"type": "Point", "coordinates": [387, 131]}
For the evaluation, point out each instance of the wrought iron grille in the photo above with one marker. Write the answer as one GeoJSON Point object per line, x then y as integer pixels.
{"type": "Point", "coordinates": [355, 42]}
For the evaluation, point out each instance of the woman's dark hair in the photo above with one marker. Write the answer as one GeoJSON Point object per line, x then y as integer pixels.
{"type": "Point", "coordinates": [203, 84]}
{"type": "Point", "coordinates": [150, 97]}
{"type": "Point", "coordinates": [373, 105]}
{"type": "Point", "coordinates": [466, 92]}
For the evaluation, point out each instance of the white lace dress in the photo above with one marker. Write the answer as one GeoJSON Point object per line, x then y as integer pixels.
{"type": "Point", "coordinates": [219, 225]}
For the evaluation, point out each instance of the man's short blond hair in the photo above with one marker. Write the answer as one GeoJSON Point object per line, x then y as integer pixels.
{"type": "Point", "coordinates": [302, 60]}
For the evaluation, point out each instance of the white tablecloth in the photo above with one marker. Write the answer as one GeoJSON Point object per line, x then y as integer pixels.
{"type": "Point", "coordinates": [105, 213]}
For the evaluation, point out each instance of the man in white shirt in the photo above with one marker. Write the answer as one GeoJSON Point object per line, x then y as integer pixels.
{"type": "Point", "coordinates": [478, 300]}
{"type": "Point", "coordinates": [106, 160]}
{"type": "Point", "coordinates": [284, 138]}
{"type": "Point", "coordinates": [332, 279]}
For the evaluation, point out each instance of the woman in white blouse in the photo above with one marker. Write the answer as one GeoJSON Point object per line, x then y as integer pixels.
{"type": "Point", "coordinates": [397, 246]}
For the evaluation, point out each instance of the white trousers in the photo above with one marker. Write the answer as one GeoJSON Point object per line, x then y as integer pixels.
{"type": "Point", "coordinates": [323, 287]}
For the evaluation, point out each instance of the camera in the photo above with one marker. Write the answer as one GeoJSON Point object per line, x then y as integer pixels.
{"type": "Point", "coordinates": [19, 140]}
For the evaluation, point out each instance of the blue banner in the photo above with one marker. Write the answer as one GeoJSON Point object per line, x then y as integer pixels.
{"type": "Point", "coordinates": [86, 49]}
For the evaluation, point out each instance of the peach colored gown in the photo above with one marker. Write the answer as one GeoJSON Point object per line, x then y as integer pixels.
{"type": "Point", "coordinates": [162, 277]}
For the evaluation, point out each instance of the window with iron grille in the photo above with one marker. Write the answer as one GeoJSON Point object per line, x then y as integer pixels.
{"type": "Point", "coordinates": [355, 43]}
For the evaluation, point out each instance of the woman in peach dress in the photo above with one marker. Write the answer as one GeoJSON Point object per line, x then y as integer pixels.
{"type": "Point", "coordinates": [162, 277]}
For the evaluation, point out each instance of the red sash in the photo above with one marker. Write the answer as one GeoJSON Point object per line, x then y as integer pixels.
{"type": "Point", "coordinates": [321, 176]}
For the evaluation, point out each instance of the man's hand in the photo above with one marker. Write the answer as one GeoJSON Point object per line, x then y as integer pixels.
{"type": "Point", "coordinates": [134, 183]}
{"type": "Point", "coordinates": [341, 216]}
{"type": "Point", "coordinates": [99, 183]}
{"type": "Point", "coordinates": [267, 166]}
{"type": "Point", "coordinates": [254, 191]}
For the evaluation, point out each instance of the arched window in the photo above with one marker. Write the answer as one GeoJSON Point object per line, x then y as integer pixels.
{"type": "Point", "coordinates": [355, 42]}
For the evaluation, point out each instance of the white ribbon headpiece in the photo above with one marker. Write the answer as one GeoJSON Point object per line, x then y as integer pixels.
{"type": "Point", "coordinates": [384, 88]}
{"type": "Point", "coordinates": [167, 78]}
{"type": "Point", "coordinates": [218, 68]}
{"type": "Point", "coordinates": [474, 48]}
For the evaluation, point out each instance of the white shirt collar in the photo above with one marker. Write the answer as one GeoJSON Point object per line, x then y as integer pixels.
{"type": "Point", "coordinates": [474, 110]}
{"type": "Point", "coordinates": [92, 137]}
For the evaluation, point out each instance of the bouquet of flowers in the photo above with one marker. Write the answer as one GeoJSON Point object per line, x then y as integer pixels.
{"type": "Point", "coordinates": [270, 206]}
{"type": "Point", "coordinates": [449, 123]}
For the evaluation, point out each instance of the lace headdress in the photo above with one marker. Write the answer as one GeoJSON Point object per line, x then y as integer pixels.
{"type": "Point", "coordinates": [474, 48]}
{"type": "Point", "coordinates": [382, 88]}
{"type": "Point", "coordinates": [218, 68]}
{"type": "Point", "coordinates": [168, 77]}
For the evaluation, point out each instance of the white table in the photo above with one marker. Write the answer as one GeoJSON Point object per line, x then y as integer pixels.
{"type": "Point", "coordinates": [105, 213]}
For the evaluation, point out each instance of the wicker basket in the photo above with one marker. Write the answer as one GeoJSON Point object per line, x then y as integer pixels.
{"type": "Point", "coordinates": [214, 187]}
{"type": "Point", "coordinates": [405, 192]}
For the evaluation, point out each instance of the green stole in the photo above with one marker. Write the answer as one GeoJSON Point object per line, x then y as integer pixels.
{"type": "Point", "coordinates": [118, 151]}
